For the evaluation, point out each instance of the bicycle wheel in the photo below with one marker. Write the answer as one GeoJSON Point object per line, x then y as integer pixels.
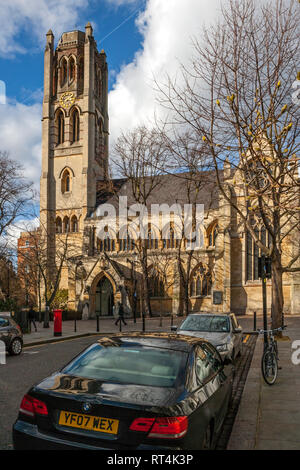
{"type": "Point", "coordinates": [269, 367]}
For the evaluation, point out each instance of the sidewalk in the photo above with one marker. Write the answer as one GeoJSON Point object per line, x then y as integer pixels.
{"type": "Point", "coordinates": [89, 327]}
{"type": "Point", "coordinates": [269, 416]}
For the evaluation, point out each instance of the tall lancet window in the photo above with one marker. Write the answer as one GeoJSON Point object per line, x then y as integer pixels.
{"type": "Point", "coordinates": [75, 124]}
{"type": "Point", "coordinates": [60, 124]}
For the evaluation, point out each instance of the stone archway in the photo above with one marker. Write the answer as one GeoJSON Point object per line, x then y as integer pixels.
{"type": "Point", "coordinates": [102, 295]}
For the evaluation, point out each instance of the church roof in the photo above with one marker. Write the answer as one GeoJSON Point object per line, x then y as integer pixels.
{"type": "Point", "coordinates": [171, 189]}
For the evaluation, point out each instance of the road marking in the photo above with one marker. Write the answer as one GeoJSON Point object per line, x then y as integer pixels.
{"type": "Point", "coordinates": [246, 339]}
{"type": "Point", "coordinates": [31, 352]}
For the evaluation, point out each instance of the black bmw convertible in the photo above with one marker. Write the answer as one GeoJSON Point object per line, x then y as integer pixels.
{"type": "Point", "coordinates": [130, 392]}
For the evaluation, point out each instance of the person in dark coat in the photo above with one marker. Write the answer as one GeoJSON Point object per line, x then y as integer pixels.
{"type": "Point", "coordinates": [31, 317]}
{"type": "Point", "coordinates": [121, 314]}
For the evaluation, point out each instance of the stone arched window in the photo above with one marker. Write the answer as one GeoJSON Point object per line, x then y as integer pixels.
{"type": "Point", "coordinates": [212, 233]}
{"type": "Point", "coordinates": [66, 224]}
{"type": "Point", "coordinates": [58, 225]}
{"type": "Point", "coordinates": [156, 284]}
{"type": "Point", "coordinates": [60, 127]}
{"type": "Point", "coordinates": [63, 71]}
{"type": "Point", "coordinates": [75, 125]}
{"type": "Point", "coordinates": [66, 181]}
{"type": "Point", "coordinates": [253, 252]}
{"type": "Point", "coordinates": [74, 224]}
{"type": "Point", "coordinates": [72, 70]}
{"type": "Point", "coordinates": [201, 281]}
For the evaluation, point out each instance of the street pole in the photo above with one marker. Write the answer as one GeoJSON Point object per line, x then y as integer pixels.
{"type": "Point", "coordinates": [264, 295]}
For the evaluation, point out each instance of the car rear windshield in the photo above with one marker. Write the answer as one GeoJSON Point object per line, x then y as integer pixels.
{"type": "Point", "coordinates": [213, 324]}
{"type": "Point", "coordinates": [138, 365]}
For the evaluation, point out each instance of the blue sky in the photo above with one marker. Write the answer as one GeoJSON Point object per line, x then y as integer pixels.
{"type": "Point", "coordinates": [114, 30]}
{"type": "Point", "coordinates": [143, 40]}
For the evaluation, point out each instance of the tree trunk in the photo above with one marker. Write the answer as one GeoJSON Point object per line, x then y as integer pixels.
{"type": "Point", "coordinates": [277, 292]}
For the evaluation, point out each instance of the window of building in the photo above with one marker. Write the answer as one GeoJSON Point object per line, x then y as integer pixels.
{"type": "Point", "coordinates": [156, 285]}
{"type": "Point", "coordinates": [201, 281]}
{"type": "Point", "coordinates": [72, 70]}
{"type": "Point", "coordinates": [63, 71]}
{"type": "Point", "coordinates": [66, 182]}
{"type": "Point", "coordinates": [75, 125]}
{"type": "Point", "coordinates": [60, 128]}
{"type": "Point", "coordinates": [66, 224]}
{"type": "Point", "coordinates": [212, 233]}
{"type": "Point", "coordinates": [74, 224]}
{"type": "Point", "coordinates": [58, 225]}
{"type": "Point", "coordinates": [253, 252]}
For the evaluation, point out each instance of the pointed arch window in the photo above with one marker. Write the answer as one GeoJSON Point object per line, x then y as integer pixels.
{"type": "Point", "coordinates": [60, 126]}
{"type": "Point", "coordinates": [212, 233]}
{"type": "Point", "coordinates": [58, 225]}
{"type": "Point", "coordinates": [66, 224]}
{"type": "Point", "coordinates": [201, 282]}
{"type": "Point", "coordinates": [253, 252]}
{"type": "Point", "coordinates": [74, 224]}
{"type": "Point", "coordinates": [63, 71]}
{"type": "Point", "coordinates": [66, 182]}
{"type": "Point", "coordinates": [156, 285]}
{"type": "Point", "coordinates": [72, 70]}
{"type": "Point", "coordinates": [75, 126]}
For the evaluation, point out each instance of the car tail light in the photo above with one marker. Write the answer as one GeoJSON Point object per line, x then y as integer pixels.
{"type": "Point", "coordinates": [168, 428]}
{"type": "Point", "coordinates": [142, 424]}
{"type": "Point", "coordinates": [31, 406]}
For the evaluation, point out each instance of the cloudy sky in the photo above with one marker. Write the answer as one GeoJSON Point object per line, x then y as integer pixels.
{"type": "Point", "coordinates": [142, 39]}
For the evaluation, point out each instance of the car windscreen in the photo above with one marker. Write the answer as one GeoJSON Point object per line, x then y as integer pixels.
{"type": "Point", "coordinates": [134, 364]}
{"type": "Point", "coordinates": [213, 324]}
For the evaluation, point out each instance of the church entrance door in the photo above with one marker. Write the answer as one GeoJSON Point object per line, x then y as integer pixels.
{"type": "Point", "coordinates": [104, 298]}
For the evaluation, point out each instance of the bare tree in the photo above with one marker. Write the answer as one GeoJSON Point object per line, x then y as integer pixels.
{"type": "Point", "coordinates": [236, 97]}
{"type": "Point", "coordinates": [15, 192]}
{"type": "Point", "coordinates": [139, 157]}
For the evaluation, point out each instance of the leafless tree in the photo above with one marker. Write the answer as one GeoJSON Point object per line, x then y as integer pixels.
{"type": "Point", "coordinates": [139, 157]}
{"type": "Point", "coordinates": [15, 192]}
{"type": "Point", "coordinates": [238, 97]}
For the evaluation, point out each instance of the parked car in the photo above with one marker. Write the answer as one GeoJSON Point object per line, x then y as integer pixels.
{"type": "Point", "coordinates": [223, 331]}
{"type": "Point", "coordinates": [133, 391]}
{"type": "Point", "coordinates": [11, 335]}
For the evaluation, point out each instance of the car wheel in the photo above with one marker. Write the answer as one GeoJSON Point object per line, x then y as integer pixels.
{"type": "Point", "coordinates": [206, 443]}
{"type": "Point", "coordinates": [16, 347]}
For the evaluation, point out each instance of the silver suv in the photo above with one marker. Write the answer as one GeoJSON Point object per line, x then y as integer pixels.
{"type": "Point", "coordinates": [11, 335]}
{"type": "Point", "coordinates": [221, 330]}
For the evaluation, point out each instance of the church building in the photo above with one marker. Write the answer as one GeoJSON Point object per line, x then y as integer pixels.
{"type": "Point", "coordinates": [222, 274]}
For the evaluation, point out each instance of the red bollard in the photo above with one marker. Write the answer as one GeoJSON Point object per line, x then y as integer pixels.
{"type": "Point", "coordinates": [57, 319]}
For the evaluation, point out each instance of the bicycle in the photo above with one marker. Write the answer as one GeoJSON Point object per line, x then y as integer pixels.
{"type": "Point", "coordinates": [269, 360]}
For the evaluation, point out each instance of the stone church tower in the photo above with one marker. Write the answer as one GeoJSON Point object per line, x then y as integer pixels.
{"type": "Point", "coordinates": [74, 131]}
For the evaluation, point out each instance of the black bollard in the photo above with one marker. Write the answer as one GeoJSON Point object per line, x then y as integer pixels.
{"type": "Point", "coordinates": [254, 321]}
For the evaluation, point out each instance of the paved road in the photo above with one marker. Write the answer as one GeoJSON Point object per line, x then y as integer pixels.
{"type": "Point", "coordinates": [35, 363]}
{"type": "Point", "coordinates": [20, 373]}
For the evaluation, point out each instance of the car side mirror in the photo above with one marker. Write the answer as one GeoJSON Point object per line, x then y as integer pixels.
{"type": "Point", "coordinates": [173, 328]}
{"type": "Point", "coordinates": [238, 330]}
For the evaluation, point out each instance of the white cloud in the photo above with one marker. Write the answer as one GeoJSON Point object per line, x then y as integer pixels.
{"type": "Point", "coordinates": [20, 131]}
{"type": "Point", "coordinates": [14, 231]}
{"type": "Point", "coordinates": [167, 27]}
{"type": "Point", "coordinates": [37, 17]}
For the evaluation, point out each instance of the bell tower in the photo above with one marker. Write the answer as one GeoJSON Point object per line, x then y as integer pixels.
{"type": "Point", "coordinates": [74, 129]}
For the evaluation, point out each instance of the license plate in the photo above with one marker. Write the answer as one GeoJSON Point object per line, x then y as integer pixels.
{"type": "Point", "coordinates": [90, 423]}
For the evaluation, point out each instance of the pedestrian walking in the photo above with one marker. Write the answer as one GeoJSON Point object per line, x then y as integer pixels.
{"type": "Point", "coordinates": [120, 314]}
{"type": "Point", "coordinates": [31, 317]}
